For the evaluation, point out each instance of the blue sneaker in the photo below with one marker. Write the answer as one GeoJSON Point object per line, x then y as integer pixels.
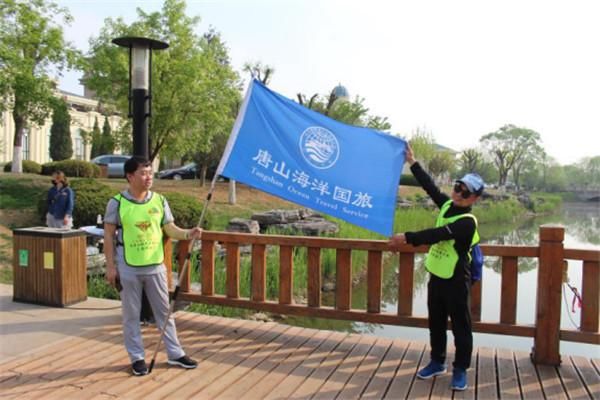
{"type": "Point", "coordinates": [459, 379]}
{"type": "Point", "coordinates": [432, 369]}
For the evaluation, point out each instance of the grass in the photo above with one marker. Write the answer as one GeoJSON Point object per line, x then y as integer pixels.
{"type": "Point", "coordinates": [20, 193]}
{"type": "Point", "coordinates": [98, 287]}
{"type": "Point", "coordinates": [545, 203]}
{"type": "Point", "coordinates": [6, 276]}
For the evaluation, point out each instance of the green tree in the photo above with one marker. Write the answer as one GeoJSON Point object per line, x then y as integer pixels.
{"type": "Point", "coordinates": [531, 156]}
{"type": "Point", "coordinates": [509, 146]}
{"type": "Point", "coordinates": [193, 82]}
{"type": "Point", "coordinates": [349, 112]}
{"type": "Point", "coordinates": [556, 181]}
{"type": "Point", "coordinates": [575, 176]}
{"type": "Point", "coordinates": [31, 45]}
{"type": "Point", "coordinates": [487, 170]}
{"type": "Point", "coordinates": [97, 145]}
{"type": "Point", "coordinates": [591, 170]}
{"type": "Point", "coordinates": [108, 143]}
{"type": "Point", "coordinates": [423, 145]}
{"type": "Point", "coordinates": [442, 163]}
{"type": "Point", "coordinates": [210, 159]}
{"type": "Point", "coordinates": [260, 71]}
{"type": "Point", "coordinates": [61, 144]}
{"type": "Point", "coordinates": [470, 160]}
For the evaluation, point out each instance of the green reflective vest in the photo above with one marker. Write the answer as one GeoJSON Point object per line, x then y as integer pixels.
{"type": "Point", "coordinates": [141, 225]}
{"type": "Point", "coordinates": [442, 257]}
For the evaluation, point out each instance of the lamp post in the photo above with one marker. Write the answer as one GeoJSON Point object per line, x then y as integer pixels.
{"type": "Point", "coordinates": [140, 87]}
{"type": "Point", "coordinates": [140, 106]}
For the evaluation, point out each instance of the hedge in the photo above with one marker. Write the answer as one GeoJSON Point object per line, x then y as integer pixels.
{"type": "Point", "coordinates": [186, 210]}
{"type": "Point", "coordinates": [72, 168]}
{"type": "Point", "coordinates": [92, 196]}
{"type": "Point", "coordinates": [408, 180]}
{"type": "Point", "coordinates": [30, 167]}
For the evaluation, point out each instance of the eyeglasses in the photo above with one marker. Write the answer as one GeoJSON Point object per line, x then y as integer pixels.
{"type": "Point", "coordinates": [464, 193]}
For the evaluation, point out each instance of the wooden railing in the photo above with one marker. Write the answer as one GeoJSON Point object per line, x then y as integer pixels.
{"type": "Point", "coordinates": [546, 329]}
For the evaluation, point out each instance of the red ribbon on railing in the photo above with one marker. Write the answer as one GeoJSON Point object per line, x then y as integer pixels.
{"type": "Point", "coordinates": [576, 298]}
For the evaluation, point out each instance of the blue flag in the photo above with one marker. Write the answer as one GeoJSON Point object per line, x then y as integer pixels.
{"type": "Point", "coordinates": [287, 150]}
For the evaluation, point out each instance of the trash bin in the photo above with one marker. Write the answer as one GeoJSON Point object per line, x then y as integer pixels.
{"type": "Point", "coordinates": [49, 266]}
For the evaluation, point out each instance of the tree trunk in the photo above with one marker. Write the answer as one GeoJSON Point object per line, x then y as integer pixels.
{"type": "Point", "coordinates": [517, 177]}
{"type": "Point", "coordinates": [17, 161]}
{"type": "Point", "coordinates": [232, 199]}
{"type": "Point", "coordinates": [203, 171]}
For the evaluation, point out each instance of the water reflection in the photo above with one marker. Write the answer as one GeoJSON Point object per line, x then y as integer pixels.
{"type": "Point", "coordinates": [582, 230]}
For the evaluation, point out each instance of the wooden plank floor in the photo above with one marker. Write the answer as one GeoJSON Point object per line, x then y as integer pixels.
{"type": "Point", "coordinates": [255, 360]}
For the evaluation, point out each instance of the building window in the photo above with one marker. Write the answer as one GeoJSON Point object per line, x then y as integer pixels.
{"type": "Point", "coordinates": [25, 145]}
{"type": "Point", "coordinates": [79, 150]}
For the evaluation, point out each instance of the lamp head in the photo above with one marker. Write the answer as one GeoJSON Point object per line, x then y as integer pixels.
{"type": "Point", "coordinates": [139, 61]}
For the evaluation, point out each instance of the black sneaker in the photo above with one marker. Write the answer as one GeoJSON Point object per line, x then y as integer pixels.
{"type": "Point", "coordinates": [184, 362]}
{"type": "Point", "coordinates": [139, 368]}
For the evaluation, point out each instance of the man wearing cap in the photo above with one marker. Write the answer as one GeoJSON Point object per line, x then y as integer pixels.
{"type": "Point", "coordinates": [448, 262]}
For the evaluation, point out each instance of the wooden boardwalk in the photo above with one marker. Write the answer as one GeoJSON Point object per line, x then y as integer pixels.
{"type": "Point", "coordinates": [242, 359]}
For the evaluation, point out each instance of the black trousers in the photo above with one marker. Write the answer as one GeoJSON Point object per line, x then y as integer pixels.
{"type": "Point", "coordinates": [450, 298]}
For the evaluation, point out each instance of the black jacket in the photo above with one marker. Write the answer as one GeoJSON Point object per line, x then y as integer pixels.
{"type": "Point", "coordinates": [461, 230]}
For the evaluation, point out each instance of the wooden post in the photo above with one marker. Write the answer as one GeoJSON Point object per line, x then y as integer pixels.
{"type": "Point", "coordinates": [208, 267]}
{"type": "Point", "coordinates": [508, 294]}
{"type": "Point", "coordinates": [182, 253]}
{"type": "Point", "coordinates": [343, 279]}
{"type": "Point", "coordinates": [548, 302]}
{"type": "Point", "coordinates": [314, 277]}
{"type": "Point", "coordinates": [259, 272]}
{"type": "Point", "coordinates": [374, 273]}
{"type": "Point", "coordinates": [591, 302]}
{"type": "Point", "coordinates": [406, 271]}
{"type": "Point", "coordinates": [286, 274]}
{"type": "Point", "coordinates": [233, 270]}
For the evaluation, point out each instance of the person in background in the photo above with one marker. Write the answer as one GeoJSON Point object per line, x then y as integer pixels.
{"type": "Point", "coordinates": [134, 225]}
{"type": "Point", "coordinates": [448, 263]}
{"type": "Point", "coordinates": [60, 202]}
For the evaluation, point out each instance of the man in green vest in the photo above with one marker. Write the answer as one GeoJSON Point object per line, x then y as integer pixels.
{"type": "Point", "coordinates": [134, 224]}
{"type": "Point", "coordinates": [448, 262]}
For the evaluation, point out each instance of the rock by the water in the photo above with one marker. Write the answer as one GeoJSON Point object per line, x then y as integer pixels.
{"type": "Point", "coordinates": [310, 227]}
{"type": "Point", "coordinates": [243, 225]}
{"type": "Point", "coordinates": [305, 222]}
{"type": "Point", "coordinates": [276, 217]}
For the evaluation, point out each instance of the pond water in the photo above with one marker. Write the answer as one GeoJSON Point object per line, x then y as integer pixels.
{"type": "Point", "coordinates": [582, 231]}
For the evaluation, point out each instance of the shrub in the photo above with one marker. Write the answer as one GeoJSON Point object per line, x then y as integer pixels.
{"type": "Point", "coordinates": [91, 198]}
{"type": "Point", "coordinates": [544, 203]}
{"type": "Point", "coordinates": [30, 167]}
{"type": "Point", "coordinates": [72, 168]}
{"type": "Point", "coordinates": [186, 210]}
{"type": "Point", "coordinates": [409, 180]}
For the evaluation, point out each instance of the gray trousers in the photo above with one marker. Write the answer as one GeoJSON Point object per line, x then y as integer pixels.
{"type": "Point", "coordinates": [155, 286]}
{"type": "Point", "coordinates": [52, 222]}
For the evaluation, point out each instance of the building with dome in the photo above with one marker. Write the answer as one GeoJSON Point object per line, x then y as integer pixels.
{"type": "Point", "coordinates": [340, 92]}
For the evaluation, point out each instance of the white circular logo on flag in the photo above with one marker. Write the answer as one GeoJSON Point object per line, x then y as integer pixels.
{"type": "Point", "coordinates": [319, 147]}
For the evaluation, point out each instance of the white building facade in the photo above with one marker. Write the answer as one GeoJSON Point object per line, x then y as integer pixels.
{"type": "Point", "coordinates": [36, 140]}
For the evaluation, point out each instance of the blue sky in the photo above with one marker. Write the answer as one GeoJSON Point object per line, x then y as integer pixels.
{"type": "Point", "coordinates": [459, 69]}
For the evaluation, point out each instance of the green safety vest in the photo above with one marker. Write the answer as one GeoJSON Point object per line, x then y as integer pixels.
{"type": "Point", "coordinates": [442, 256]}
{"type": "Point", "coordinates": [141, 225]}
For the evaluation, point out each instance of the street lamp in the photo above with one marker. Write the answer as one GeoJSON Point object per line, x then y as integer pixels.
{"type": "Point", "coordinates": [140, 87]}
